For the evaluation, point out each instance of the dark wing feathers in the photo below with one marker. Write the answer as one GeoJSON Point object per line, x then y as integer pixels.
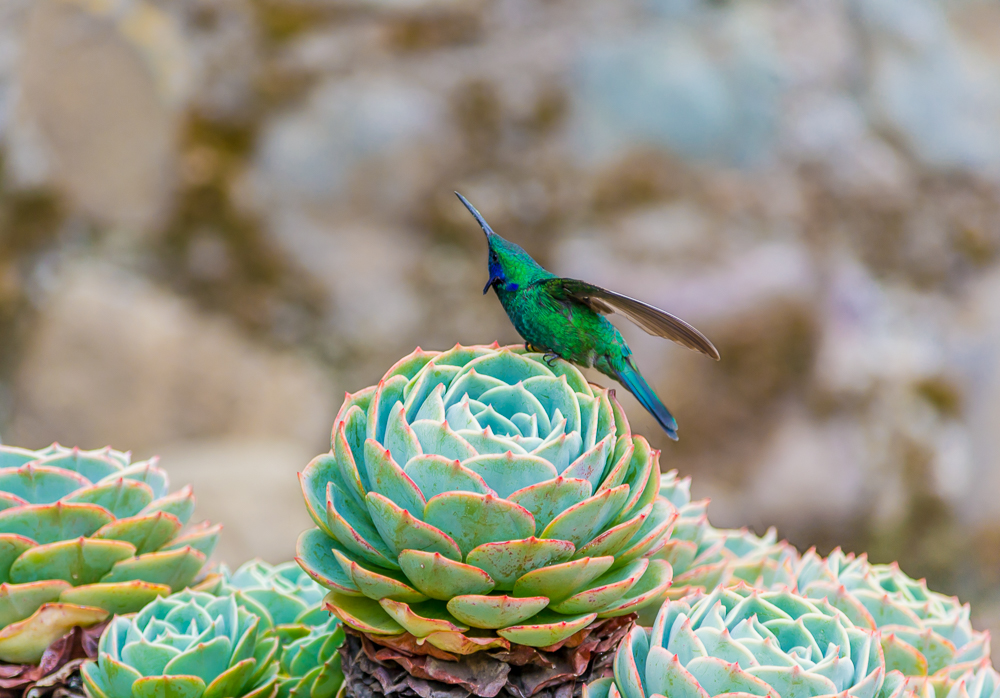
{"type": "Point", "coordinates": [653, 320]}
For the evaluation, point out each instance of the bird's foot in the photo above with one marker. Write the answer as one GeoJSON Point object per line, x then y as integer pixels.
{"type": "Point", "coordinates": [550, 359]}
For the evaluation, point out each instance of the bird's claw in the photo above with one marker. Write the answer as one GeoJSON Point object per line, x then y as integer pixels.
{"type": "Point", "coordinates": [550, 359]}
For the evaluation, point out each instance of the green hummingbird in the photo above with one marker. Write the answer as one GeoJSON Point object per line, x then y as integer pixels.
{"type": "Point", "coordinates": [565, 318]}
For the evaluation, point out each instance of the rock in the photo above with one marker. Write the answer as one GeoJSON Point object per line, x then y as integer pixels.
{"type": "Point", "coordinates": [801, 455]}
{"type": "Point", "coordinates": [940, 97]}
{"type": "Point", "coordinates": [351, 134]}
{"type": "Point", "coordinates": [979, 363]}
{"type": "Point", "coordinates": [99, 90]}
{"type": "Point", "coordinates": [831, 130]}
{"type": "Point", "coordinates": [875, 334]}
{"type": "Point", "coordinates": [13, 15]}
{"type": "Point", "coordinates": [114, 360]}
{"type": "Point", "coordinates": [223, 55]}
{"type": "Point", "coordinates": [248, 485]}
{"type": "Point", "coordinates": [705, 95]}
{"type": "Point", "coordinates": [367, 271]}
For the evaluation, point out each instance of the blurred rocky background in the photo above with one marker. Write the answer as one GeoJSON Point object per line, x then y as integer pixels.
{"type": "Point", "coordinates": [216, 216]}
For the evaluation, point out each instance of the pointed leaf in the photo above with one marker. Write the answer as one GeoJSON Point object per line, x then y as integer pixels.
{"type": "Point", "coordinates": [11, 548]}
{"type": "Point", "coordinates": [148, 532]}
{"type": "Point", "coordinates": [604, 590]}
{"type": "Point", "coordinates": [665, 676]}
{"type": "Point", "coordinates": [25, 641]}
{"type": "Point", "coordinates": [387, 394]}
{"type": "Point", "coordinates": [39, 484]}
{"type": "Point", "coordinates": [546, 500]}
{"type": "Point", "coordinates": [50, 523]}
{"type": "Point", "coordinates": [423, 619]}
{"type": "Point", "coordinates": [435, 474]}
{"type": "Point", "coordinates": [355, 530]}
{"type": "Point", "coordinates": [80, 561]}
{"type": "Point", "coordinates": [507, 561]}
{"type": "Point", "coordinates": [581, 522]}
{"type": "Point", "coordinates": [590, 465]}
{"type": "Point", "coordinates": [232, 681]}
{"type": "Point", "coordinates": [117, 598]}
{"type": "Point", "coordinates": [546, 628]}
{"type": "Point", "coordinates": [380, 584]}
{"type": "Point", "coordinates": [168, 687]}
{"type": "Point", "coordinates": [18, 601]}
{"type": "Point", "coordinates": [401, 531]}
{"type": "Point", "coordinates": [400, 440]}
{"type": "Point", "coordinates": [506, 473]}
{"type": "Point", "coordinates": [442, 578]}
{"type": "Point", "coordinates": [494, 612]}
{"type": "Point", "coordinates": [559, 582]}
{"type": "Point", "coordinates": [314, 554]}
{"type": "Point", "coordinates": [175, 568]}
{"type": "Point", "coordinates": [202, 538]}
{"type": "Point", "coordinates": [205, 660]}
{"type": "Point", "coordinates": [612, 540]}
{"type": "Point", "coordinates": [438, 438]}
{"type": "Point", "coordinates": [122, 497]}
{"type": "Point", "coordinates": [388, 479]}
{"type": "Point", "coordinates": [473, 519]}
{"type": "Point", "coordinates": [362, 613]}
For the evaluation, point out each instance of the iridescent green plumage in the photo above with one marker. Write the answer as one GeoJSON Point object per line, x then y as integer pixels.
{"type": "Point", "coordinates": [565, 318]}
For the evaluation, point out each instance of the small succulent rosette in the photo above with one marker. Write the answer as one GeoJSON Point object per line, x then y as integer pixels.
{"type": "Point", "coordinates": [285, 597]}
{"type": "Point", "coordinates": [741, 642]}
{"type": "Point", "coordinates": [704, 557]}
{"type": "Point", "coordinates": [479, 497]}
{"type": "Point", "coordinates": [188, 645]}
{"type": "Point", "coordinates": [83, 535]}
{"type": "Point", "coordinates": [923, 632]}
{"type": "Point", "coordinates": [290, 606]}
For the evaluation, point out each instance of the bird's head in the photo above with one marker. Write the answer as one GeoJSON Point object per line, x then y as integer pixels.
{"type": "Point", "coordinates": [509, 265]}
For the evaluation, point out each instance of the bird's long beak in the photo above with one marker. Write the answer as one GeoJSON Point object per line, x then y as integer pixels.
{"type": "Point", "coordinates": [472, 209]}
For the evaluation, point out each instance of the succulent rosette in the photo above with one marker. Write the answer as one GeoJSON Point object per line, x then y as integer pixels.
{"type": "Point", "coordinates": [290, 606]}
{"type": "Point", "coordinates": [704, 557]}
{"type": "Point", "coordinates": [188, 645]}
{"type": "Point", "coordinates": [482, 497]}
{"type": "Point", "coordinates": [85, 534]}
{"type": "Point", "coordinates": [743, 642]}
{"type": "Point", "coordinates": [923, 632]}
{"type": "Point", "coordinates": [282, 595]}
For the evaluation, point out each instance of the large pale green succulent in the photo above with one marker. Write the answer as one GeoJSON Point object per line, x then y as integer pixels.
{"type": "Point", "coordinates": [482, 488]}
{"type": "Point", "coordinates": [188, 645]}
{"type": "Point", "coordinates": [290, 605]}
{"type": "Point", "coordinates": [84, 534]}
{"type": "Point", "coordinates": [704, 557]}
{"type": "Point", "coordinates": [741, 642]}
{"type": "Point", "coordinates": [923, 632]}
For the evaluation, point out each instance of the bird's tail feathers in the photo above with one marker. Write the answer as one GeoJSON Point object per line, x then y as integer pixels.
{"type": "Point", "coordinates": [628, 375]}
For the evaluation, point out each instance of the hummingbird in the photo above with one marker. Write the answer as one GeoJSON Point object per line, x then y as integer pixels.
{"type": "Point", "coordinates": [564, 318]}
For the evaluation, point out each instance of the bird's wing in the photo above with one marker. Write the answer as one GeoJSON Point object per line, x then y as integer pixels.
{"type": "Point", "coordinates": [653, 320]}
